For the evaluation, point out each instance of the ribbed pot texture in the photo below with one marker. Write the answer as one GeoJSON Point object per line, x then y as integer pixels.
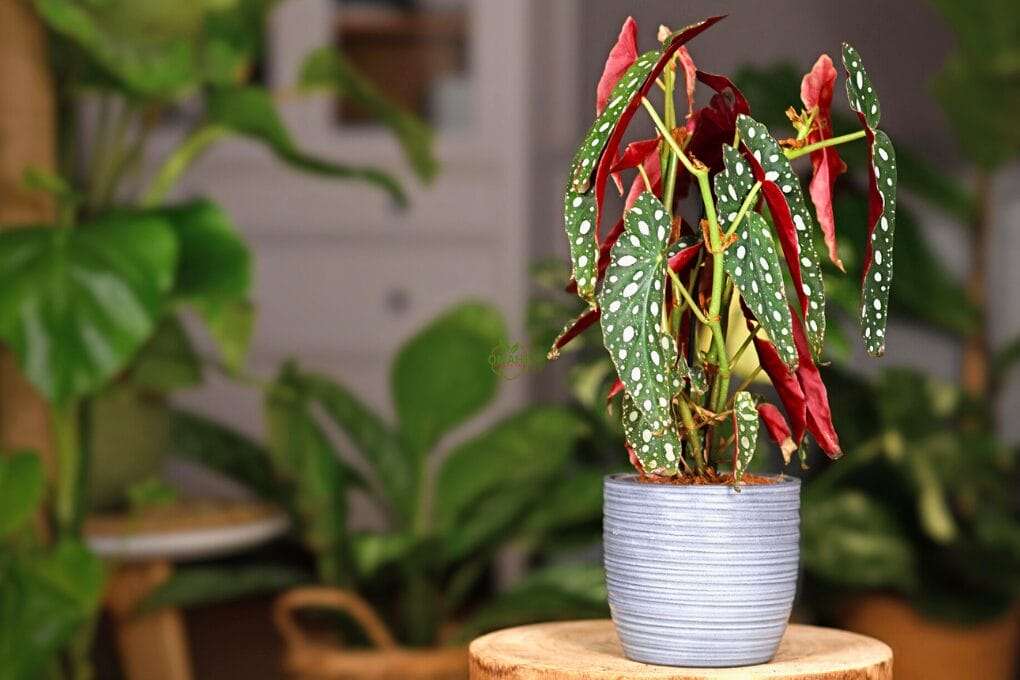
{"type": "Point", "coordinates": [701, 576]}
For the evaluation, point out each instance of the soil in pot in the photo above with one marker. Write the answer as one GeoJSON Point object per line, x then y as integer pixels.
{"type": "Point", "coordinates": [924, 649]}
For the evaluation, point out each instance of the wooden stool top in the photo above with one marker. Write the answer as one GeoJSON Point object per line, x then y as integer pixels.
{"type": "Point", "coordinates": [589, 650]}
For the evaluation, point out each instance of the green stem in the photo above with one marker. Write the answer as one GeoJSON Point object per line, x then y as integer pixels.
{"type": "Point", "coordinates": [64, 421]}
{"type": "Point", "coordinates": [832, 141]}
{"type": "Point", "coordinates": [678, 286]}
{"type": "Point", "coordinates": [692, 434]}
{"type": "Point", "coordinates": [178, 161]}
{"type": "Point", "coordinates": [744, 207]}
{"type": "Point", "coordinates": [667, 135]}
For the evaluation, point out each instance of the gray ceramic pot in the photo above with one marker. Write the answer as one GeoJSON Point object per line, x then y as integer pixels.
{"type": "Point", "coordinates": [701, 576]}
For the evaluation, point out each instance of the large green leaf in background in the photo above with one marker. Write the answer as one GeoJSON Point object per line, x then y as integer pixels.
{"type": "Point", "coordinates": [21, 490]}
{"type": "Point", "coordinates": [489, 481]}
{"type": "Point", "coordinates": [250, 112]}
{"type": "Point", "coordinates": [44, 599]}
{"type": "Point", "coordinates": [77, 304]}
{"type": "Point", "coordinates": [441, 376]}
{"type": "Point", "coordinates": [190, 586]}
{"type": "Point", "coordinates": [328, 69]}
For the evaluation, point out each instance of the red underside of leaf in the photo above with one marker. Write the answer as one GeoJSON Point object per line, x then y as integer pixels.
{"type": "Point", "coordinates": [875, 205]}
{"type": "Point", "coordinates": [690, 77]}
{"type": "Point", "coordinates": [819, 415]}
{"type": "Point", "coordinates": [583, 323]}
{"type": "Point", "coordinates": [783, 380]}
{"type": "Point", "coordinates": [615, 389]}
{"type": "Point", "coordinates": [713, 125]}
{"type": "Point", "coordinates": [635, 154]}
{"type": "Point", "coordinates": [778, 429]}
{"type": "Point", "coordinates": [785, 228]}
{"type": "Point", "coordinates": [816, 90]}
{"type": "Point", "coordinates": [680, 261]}
{"type": "Point", "coordinates": [622, 55]}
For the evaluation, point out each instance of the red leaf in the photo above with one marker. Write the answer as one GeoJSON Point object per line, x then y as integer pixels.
{"type": "Point", "coordinates": [722, 84]}
{"type": "Point", "coordinates": [635, 154]}
{"type": "Point", "coordinates": [819, 415]}
{"type": "Point", "coordinates": [580, 325]}
{"type": "Point", "coordinates": [615, 389]}
{"type": "Point", "coordinates": [637, 187]}
{"type": "Point", "coordinates": [778, 429]}
{"type": "Point", "coordinates": [713, 125]}
{"type": "Point", "coordinates": [783, 380]}
{"type": "Point", "coordinates": [684, 258]}
{"type": "Point", "coordinates": [622, 55]}
{"type": "Point", "coordinates": [816, 91]}
{"type": "Point", "coordinates": [690, 77]}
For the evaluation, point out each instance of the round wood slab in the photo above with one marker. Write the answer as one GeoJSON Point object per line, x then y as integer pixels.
{"type": "Point", "coordinates": [589, 650]}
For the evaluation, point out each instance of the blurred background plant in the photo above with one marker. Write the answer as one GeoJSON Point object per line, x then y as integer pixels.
{"type": "Point", "coordinates": [430, 566]}
{"type": "Point", "coordinates": [92, 304]}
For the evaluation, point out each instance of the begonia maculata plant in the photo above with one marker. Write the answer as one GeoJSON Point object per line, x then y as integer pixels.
{"type": "Point", "coordinates": [715, 218]}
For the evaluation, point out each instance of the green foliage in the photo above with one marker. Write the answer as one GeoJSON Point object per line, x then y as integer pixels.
{"type": "Point", "coordinates": [77, 304]}
{"type": "Point", "coordinates": [203, 585]}
{"type": "Point", "coordinates": [441, 376]}
{"type": "Point", "coordinates": [21, 490]}
{"type": "Point", "coordinates": [745, 433]}
{"type": "Point", "coordinates": [45, 596]}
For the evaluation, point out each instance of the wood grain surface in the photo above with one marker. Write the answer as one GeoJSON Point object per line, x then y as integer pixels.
{"type": "Point", "coordinates": [589, 650]}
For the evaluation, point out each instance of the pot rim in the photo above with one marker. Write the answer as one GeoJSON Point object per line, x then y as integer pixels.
{"type": "Point", "coordinates": [628, 480]}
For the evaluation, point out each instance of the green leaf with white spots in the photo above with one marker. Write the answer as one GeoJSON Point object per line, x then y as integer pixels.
{"type": "Point", "coordinates": [632, 301]}
{"type": "Point", "coordinates": [878, 269]}
{"type": "Point", "coordinates": [745, 433]}
{"type": "Point", "coordinates": [579, 217]}
{"type": "Point", "coordinates": [587, 156]}
{"type": "Point", "coordinates": [859, 90]}
{"type": "Point", "coordinates": [580, 209]}
{"type": "Point", "coordinates": [879, 273]}
{"type": "Point", "coordinates": [657, 446]}
{"type": "Point", "coordinates": [753, 263]}
{"type": "Point", "coordinates": [732, 186]}
{"type": "Point", "coordinates": [802, 257]}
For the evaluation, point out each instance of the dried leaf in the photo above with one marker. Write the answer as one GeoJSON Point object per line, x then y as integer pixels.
{"type": "Point", "coordinates": [778, 429]}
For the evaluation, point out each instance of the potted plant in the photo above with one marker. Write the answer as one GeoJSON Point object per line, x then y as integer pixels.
{"type": "Point", "coordinates": [701, 556]}
{"type": "Point", "coordinates": [414, 588]}
{"type": "Point", "coordinates": [91, 303]}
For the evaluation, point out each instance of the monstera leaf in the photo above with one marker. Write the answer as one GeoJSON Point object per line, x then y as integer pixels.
{"type": "Point", "coordinates": [76, 304]}
{"type": "Point", "coordinates": [878, 253]}
{"type": "Point", "coordinates": [632, 302]}
{"type": "Point", "coordinates": [793, 221]}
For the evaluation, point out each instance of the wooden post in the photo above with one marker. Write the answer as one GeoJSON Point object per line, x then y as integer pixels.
{"type": "Point", "coordinates": [589, 650]}
{"type": "Point", "coordinates": [27, 139]}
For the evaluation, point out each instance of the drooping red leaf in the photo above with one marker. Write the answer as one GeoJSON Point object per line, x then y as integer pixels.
{"type": "Point", "coordinates": [819, 415]}
{"type": "Point", "coordinates": [574, 329]}
{"type": "Point", "coordinates": [637, 187]}
{"type": "Point", "coordinates": [783, 380]}
{"type": "Point", "coordinates": [681, 260]}
{"type": "Point", "coordinates": [722, 85]}
{"type": "Point", "coordinates": [634, 155]}
{"type": "Point", "coordinates": [622, 55]}
{"type": "Point", "coordinates": [778, 429]}
{"type": "Point", "coordinates": [690, 77]}
{"type": "Point", "coordinates": [816, 91]}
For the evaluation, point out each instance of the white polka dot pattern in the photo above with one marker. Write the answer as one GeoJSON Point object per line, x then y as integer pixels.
{"type": "Point", "coordinates": [776, 169]}
{"type": "Point", "coordinates": [745, 432]}
{"type": "Point", "coordinates": [878, 272]}
{"type": "Point", "coordinates": [656, 444]}
{"type": "Point", "coordinates": [632, 299]}
{"type": "Point", "coordinates": [580, 211]}
{"type": "Point", "coordinates": [753, 263]}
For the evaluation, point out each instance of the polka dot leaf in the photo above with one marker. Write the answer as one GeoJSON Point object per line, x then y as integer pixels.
{"type": "Point", "coordinates": [753, 263]}
{"type": "Point", "coordinates": [580, 204]}
{"type": "Point", "coordinates": [657, 446]}
{"type": "Point", "coordinates": [878, 256]}
{"type": "Point", "coordinates": [794, 224]}
{"type": "Point", "coordinates": [878, 270]}
{"type": "Point", "coordinates": [732, 185]}
{"type": "Point", "coordinates": [631, 301]}
{"type": "Point", "coordinates": [859, 90]}
{"type": "Point", "coordinates": [745, 433]}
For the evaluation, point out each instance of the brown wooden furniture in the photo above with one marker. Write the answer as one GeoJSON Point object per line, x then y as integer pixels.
{"type": "Point", "coordinates": [589, 650]}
